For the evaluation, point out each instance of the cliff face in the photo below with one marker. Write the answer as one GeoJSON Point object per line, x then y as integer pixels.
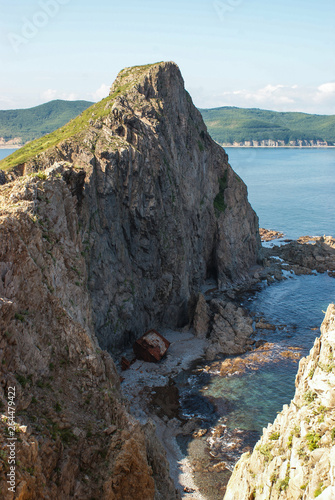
{"type": "Point", "coordinates": [108, 226]}
{"type": "Point", "coordinates": [160, 208]}
{"type": "Point", "coordinates": [74, 438]}
{"type": "Point", "coordinates": [295, 457]}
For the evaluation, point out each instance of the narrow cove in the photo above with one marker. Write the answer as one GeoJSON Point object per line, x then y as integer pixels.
{"type": "Point", "coordinates": [207, 419]}
{"type": "Point", "coordinates": [220, 407]}
{"type": "Point", "coordinates": [244, 400]}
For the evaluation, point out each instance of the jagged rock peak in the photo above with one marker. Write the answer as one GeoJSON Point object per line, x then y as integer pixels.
{"type": "Point", "coordinates": [295, 457]}
{"type": "Point", "coordinates": [151, 80]}
{"type": "Point", "coordinates": [156, 74]}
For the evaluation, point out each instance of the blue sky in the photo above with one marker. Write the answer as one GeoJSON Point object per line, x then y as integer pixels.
{"type": "Point", "coordinates": [249, 53]}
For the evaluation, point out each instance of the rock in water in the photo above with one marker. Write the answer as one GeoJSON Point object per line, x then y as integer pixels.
{"type": "Point", "coordinates": [109, 226]}
{"type": "Point", "coordinates": [295, 457]}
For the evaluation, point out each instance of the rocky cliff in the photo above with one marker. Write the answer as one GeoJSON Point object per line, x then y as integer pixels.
{"type": "Point", "coordinates": [159, 206]}
{"type": "Point", "coordinates": [59, 392]}
{"type": "Point", "coordinates": [295, 457]}
{"type": "Point", "coordinates": [108, 226]}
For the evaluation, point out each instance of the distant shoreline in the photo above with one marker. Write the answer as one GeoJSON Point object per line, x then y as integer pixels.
{"type": "Point", "coordinates": [2, 146]}
{"type": "Point", "coordinates": [275, 147]}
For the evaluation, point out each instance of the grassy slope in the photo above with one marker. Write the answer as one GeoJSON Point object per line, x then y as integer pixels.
{"type": "Point", "coordinates": [228, 124]}
{"type": "Point", "coordinates": [77, 125]}
{"type": "Point", "coordinates": [32, 123]}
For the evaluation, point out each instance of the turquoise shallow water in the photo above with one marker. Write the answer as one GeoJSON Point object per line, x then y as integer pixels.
{"type": "Point", "coordinates": [251, 400]}
{"type": "Point", "coordinates": [296, 306]}
{"type": "Point", "coordinates": [236, 408]}
{"type": "Point", "coordinates": [291, 190]}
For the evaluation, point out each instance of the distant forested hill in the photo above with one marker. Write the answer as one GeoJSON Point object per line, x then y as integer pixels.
{"type": "Point", "coordinates": [227, 125]}
{"type": "Point", "coordinates": [29, 124]}
{"type": "Point", "coordinates": [230, 125]}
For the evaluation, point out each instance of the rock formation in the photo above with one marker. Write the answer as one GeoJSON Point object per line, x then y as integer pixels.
{"type": "Point", "coordinates": [307, 254]}
{"type": "Point", "coordinates": [74, 437]}
{"type": "Point", "coordinates": [160, 207]}
{"type": "Point", "coordinates": [15, 142]}
{"type": "Point", "coordinates": [108, 226]}
{"type": "Point", "coordinates": [226, 325]}
{"type": "Point", "coordinates": [295, 457]}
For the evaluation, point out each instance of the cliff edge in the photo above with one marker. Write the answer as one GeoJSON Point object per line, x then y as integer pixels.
{"type": "Point", "coordinates": [295, 457]}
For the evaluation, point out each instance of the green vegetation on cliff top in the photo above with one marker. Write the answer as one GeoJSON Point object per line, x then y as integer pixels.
{"type": "Point", "coordinates": [229, 124]}
{"type": "Point", "coordinates": [78, 124]}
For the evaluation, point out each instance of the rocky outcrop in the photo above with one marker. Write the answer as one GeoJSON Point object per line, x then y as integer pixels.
{"type": "Point", "coordinates": [305, 255]}
{"type": "Point", "coordinates": [269, 234]}
{"type": "Point", "coordinates": [108, 226]}
{"type": "Point", "coordinates": [226, 325]}
{"type": "Point", "coordinates": [160, 208]}
{"type": "Point", "coordinates": [74, 437]}
{"type": "Point", "coordinates": [9, 143]}
{"type": "Point", "coordinates": [295, 457]}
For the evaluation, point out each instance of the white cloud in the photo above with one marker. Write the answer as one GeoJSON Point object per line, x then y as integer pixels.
{"type": "Point", "coordinates": [51, 94]}
{"type": "Point", "coordinates": [276, 95]}
{"type": "Point", "coordinates": [325, 96]}
{"type": "Point", "coordinates": [101, 92]}
{"type": "Point", "coordinates": [319, 99]}
{"type": "Point", "coordinates": [327, 88]}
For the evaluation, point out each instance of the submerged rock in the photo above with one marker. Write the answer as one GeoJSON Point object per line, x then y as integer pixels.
{"type": "Point", "coordinates": [265, 354]}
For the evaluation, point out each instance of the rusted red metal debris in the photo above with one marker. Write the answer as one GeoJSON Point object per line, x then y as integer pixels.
{"type": "Point", "coordinates": [125, 364]}
{"type": "Point", "coordinates": [152, 346]}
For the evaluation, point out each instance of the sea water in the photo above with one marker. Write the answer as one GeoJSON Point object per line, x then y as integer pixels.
{"type": "Point", "coordinates": [295, 307]}
{"type": "Point", "coordinates": [291, 190]}
{"type": "Point", "coordinates": [6, 152]}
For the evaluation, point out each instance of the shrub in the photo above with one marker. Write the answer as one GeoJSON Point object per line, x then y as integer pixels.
{"type": "Point", "coordinates": [265, 450]}
{"type": "Point", "coordinates": [283, 484]}
{"type": "Point", "coordinates": [22, 380]}
{"type": "Point", "coordinates": [309, 396]}
{"type": "Point", "coordinates": [313, 440]}
{"type": "Point", "coordinates": [219, 203]}
{"type": "Point", "coordinates": [58, 407]}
